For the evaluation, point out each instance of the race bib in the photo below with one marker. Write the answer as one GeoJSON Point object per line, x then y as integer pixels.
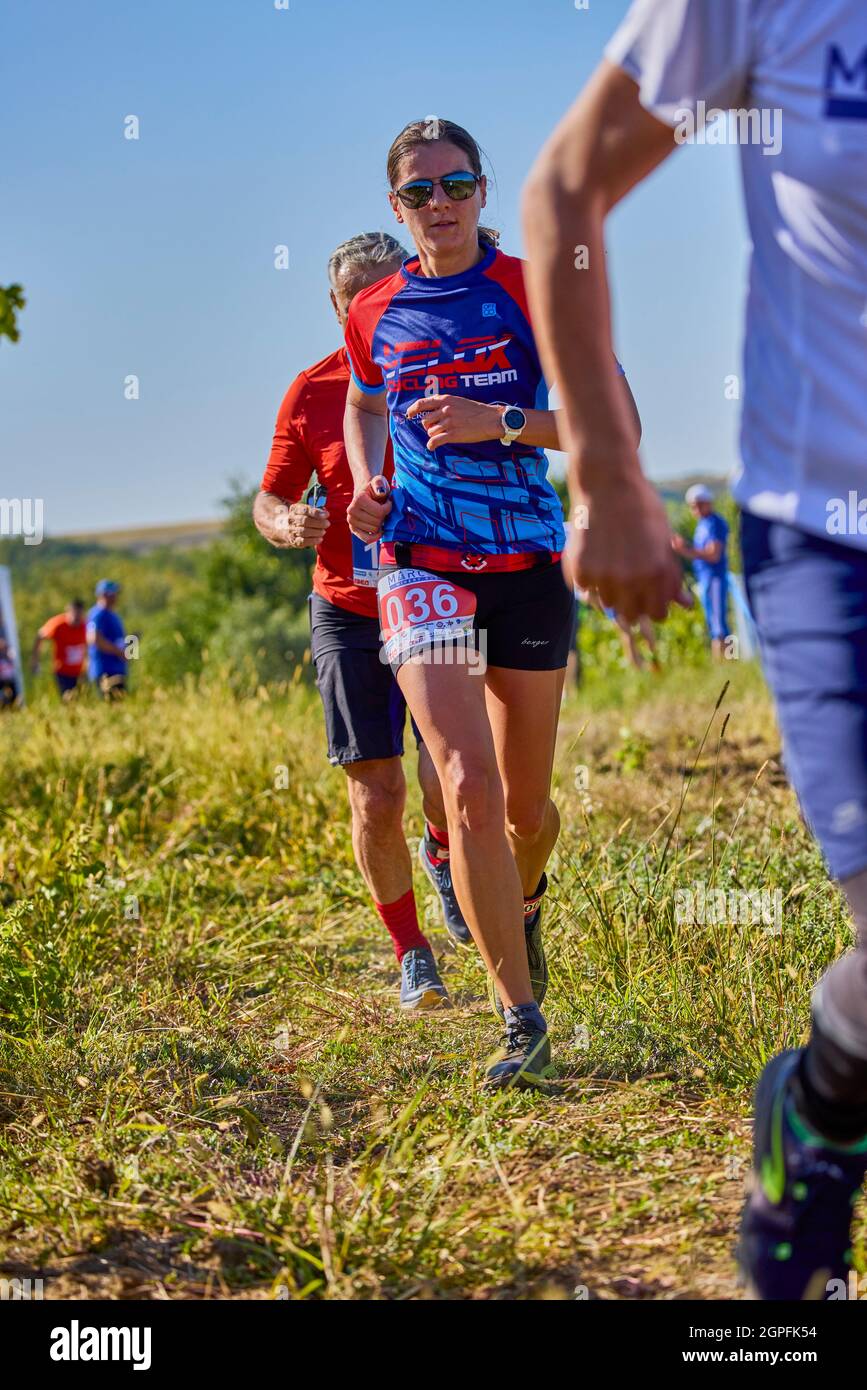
{"type": "Point", "coordinates": [74, 655]}
{"type": "Point", "coordinates": [365, 562]}
{"type": "Point", "coordinates": [417, 609]}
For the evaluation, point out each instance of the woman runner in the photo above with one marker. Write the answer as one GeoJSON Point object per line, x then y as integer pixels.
{"type": "Point", "coordinates": [443, 358]}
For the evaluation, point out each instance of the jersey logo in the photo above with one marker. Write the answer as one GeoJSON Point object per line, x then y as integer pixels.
{"type": "Point", "coordinates": [489, 311]}
{"type": "Point", "coordinates": [475, 362]}
{"type": "Point", "coordinates": [472, 561]}
{"type": "Point", "coordinates": [845, 87]}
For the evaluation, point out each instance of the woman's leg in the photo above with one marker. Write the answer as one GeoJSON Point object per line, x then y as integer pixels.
{"type": "Point", "coordinates": [523, 710]}
{"type": "Point", "coordinates": [448, 704]}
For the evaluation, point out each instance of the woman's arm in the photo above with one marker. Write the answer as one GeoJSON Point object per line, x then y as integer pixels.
{"type": "Point", "coordinates": [365, 433]}
{"type": "Point", "coordinates": [456, 420]}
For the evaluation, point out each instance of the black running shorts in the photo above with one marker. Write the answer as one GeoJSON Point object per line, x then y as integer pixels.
{"type": "Point", "coordinates": [365, 712]}
{"type": "Point", "coordinates": [524, 619]}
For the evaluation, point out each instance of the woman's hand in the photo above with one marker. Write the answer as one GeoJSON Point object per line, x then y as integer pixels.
{"type": "Point", "coordinates": [622, 548]}
{"type": "Point", "coordinates": [455, 420]}
{"type": "Point", "coordinates": [368, 509]}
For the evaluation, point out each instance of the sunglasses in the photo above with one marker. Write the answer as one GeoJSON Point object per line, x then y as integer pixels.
{"type": "Point", "coordinates": [459, 187]}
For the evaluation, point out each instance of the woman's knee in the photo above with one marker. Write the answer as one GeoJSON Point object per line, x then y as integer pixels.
{"type": "Point", "coordinates": [527, 819]}
{"type": "Point", "coordinates": [473, 792]}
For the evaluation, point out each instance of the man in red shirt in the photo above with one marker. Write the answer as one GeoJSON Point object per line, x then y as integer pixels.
{"type": "Point", "coordinates": [364, 710]}
{"type": "Point", "coordinates": [68, 632]}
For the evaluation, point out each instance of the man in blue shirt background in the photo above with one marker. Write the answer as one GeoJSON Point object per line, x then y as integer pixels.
{"type": "Point", "coordinates": [105, 640]}
{"type": "Point", "coordinates": [709, 560]}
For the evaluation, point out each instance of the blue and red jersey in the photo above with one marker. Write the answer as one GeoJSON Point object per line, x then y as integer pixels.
{"type": "Point", "coordinates": [465, 335]}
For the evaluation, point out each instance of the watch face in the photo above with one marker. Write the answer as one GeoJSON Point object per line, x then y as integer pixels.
{"type": "Point", "coordinates": [514, 419]}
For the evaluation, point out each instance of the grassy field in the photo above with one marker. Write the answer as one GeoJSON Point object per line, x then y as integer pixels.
{"type": "Point", "coordinates": [206, 1088]}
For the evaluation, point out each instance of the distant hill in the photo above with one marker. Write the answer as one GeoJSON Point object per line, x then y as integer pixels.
{"type": "Point", "coordinates": [673, 489]}
{"type": "Point", "coordinates": [184, 535]}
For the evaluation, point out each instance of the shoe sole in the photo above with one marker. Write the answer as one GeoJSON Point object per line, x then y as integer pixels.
{"type": "Point", "coordinates": [423, 860]}
{"type": "Point", "coordinates": [427, 1003]}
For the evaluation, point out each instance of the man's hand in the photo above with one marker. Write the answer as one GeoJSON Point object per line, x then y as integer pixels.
{"type": "Point", "coordinates": [289, 526]}
{"type": "Point", "coordinates": [369, 508]}
{"type": "Point", "coordinates": [681, 545]}
{"type": "Point", "coordinates": [455, 420]}
{"type": "Point", "coordinates": [624, 549]}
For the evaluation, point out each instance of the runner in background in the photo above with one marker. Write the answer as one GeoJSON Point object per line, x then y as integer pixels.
{"type": "Point", "coordinates": [803, 462]}
{"type": "Point", "coordinates": [105, 639]}
{"type": "Point", "coordinates": [365, 712]}
{"type": "Point", "coordinates": [444, 361]}
{"type": "Point", "coordinates": [68, 634]}
{"type": "Point", "coordinates": [710, 564]}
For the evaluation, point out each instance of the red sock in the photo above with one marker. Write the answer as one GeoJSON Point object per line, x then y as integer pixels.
{"type": "Point", "coordinates": [401, 921]}
{"type": "Point", "coordinates": [439, 837]}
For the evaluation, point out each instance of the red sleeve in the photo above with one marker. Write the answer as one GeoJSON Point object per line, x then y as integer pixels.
{"type": "Point", "coordinates": [508, 271]}
{"type": "Point", "coordinates": [360, 328]}
{"type": "Point", "coordinates": [48, 629]}
{"type": "Point", "coordinates": [289, 465]}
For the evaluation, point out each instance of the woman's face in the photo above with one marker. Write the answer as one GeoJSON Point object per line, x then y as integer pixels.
{"type": "Point", "coordinates": [441, 226]}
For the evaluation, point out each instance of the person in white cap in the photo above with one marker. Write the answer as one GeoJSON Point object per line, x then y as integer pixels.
{"type": "Point", "coordinates": [710, 564]}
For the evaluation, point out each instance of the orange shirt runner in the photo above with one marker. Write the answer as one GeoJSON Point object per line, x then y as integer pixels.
{"type": "Point", "coordinates": [309, 439]}
{"type": "Point", "coordinates": [70, 644]}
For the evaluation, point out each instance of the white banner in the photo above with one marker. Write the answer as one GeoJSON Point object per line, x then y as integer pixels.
{"type": "Point", "coordinates": [9, 627]}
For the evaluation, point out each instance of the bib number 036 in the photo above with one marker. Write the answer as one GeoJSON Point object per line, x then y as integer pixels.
{"type": "Point", "coordinates": [417, 608]}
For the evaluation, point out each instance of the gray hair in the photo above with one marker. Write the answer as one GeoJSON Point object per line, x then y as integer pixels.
{"type": "Point", "coordinates": [368, 249]}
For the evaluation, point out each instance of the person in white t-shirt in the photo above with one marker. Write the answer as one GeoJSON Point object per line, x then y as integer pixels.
{"type": "Point", "coordinates": [792, 74]}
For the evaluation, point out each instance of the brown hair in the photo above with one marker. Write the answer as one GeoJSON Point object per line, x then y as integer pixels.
{"type": "Point", "coordinates": [419, 133]}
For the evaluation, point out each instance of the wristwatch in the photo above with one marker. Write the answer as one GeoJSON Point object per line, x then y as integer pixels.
{"type": "Point", "coordinates": [514, 424]}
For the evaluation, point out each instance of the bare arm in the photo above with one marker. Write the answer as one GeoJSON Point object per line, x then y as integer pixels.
{"type": "Point", "coordinates": [712, 552]}
{"type": "Point", "coordinates": [365, 433]}
{"type": "Point", "coordinates": [102, 644]}
{"type": "Point", "coordinates": [604, 146]}
{"type": "Point", "coordinates": [288, 525]}
{"type": "Point", "coordinates": [458, 420]}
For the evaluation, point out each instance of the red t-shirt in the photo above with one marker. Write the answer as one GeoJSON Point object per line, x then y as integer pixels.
{"type": "Point", "coordinates": [308, 439]}
{"type": "Point", "coordinates": [70, 644]}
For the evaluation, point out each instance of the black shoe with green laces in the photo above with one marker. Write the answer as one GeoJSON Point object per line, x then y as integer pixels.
{"type": "Point", "coordinates": [535, 951]}
{"type": "Point", "coordinates": [525, 1056]}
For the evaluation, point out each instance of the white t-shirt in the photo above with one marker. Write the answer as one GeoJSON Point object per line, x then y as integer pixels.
{"type": "Point", "coordinates": [804, 435]}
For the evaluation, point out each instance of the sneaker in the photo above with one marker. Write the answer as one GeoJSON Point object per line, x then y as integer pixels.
{"type": "Point", "coordinates": [440, 875]}
{"type": "Point", "coordinates": [795, 1232]}
{"type": "Point", "coordinates": [421, 988]}
{"type": "Point", "coordinates": [525, 1058]}
{"type": "Point", "coordinates": [535, 952]}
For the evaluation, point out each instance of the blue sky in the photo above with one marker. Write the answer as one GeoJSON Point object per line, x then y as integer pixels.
{"type": "Point", "coordinates": [261, 127]}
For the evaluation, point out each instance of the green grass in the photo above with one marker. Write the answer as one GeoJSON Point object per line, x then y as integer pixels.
{"type": "Point", "coordinates": [206, 1088]}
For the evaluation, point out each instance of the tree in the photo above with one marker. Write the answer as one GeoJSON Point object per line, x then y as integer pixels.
{"type": "Point", "coordinates": [11, 301]}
